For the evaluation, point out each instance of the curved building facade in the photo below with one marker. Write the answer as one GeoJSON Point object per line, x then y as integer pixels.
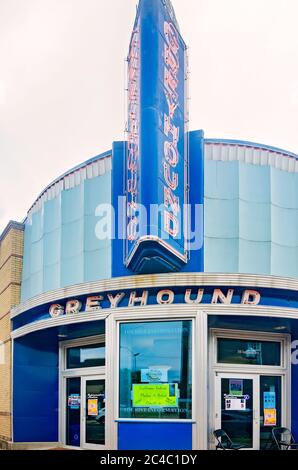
{"type": "Point", "coordinates": [154, 346]}
{"type": "Point", "coordinates": [232, 325]}
{"type": "Point", "coordinates": [249, 228]}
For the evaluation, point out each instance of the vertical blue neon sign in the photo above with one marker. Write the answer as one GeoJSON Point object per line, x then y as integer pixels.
{"type": "Point", "coordinates": [157, 155]}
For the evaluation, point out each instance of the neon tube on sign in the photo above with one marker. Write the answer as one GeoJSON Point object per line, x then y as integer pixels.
{"type": "Point", "coordinates": [171, 155]}
{"type": "Point", "coordinates": [133, 135]}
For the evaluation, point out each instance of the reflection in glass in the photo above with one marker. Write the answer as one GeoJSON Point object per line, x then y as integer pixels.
{"type": "Point", "coordinates": [95, 412]}
{"type": "Point", "coordinates": [92, 355]}
{"type": "Point", "coordinates": [73, 411]}
{"type": "Point", "coordinates": [239, 351]}
{"type": "Point", "coordinates": [237, 410]}
{"type": "Point", "coordinates": [156, 370]}
{"type": "Point", "coordinates": [270, 399]}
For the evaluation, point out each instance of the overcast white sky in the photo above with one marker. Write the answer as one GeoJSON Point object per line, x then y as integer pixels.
{"type": "Point", "coordinates": [62, 81]}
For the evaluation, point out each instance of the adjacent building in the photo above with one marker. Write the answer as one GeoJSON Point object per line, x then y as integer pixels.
{"type": "Point", "coordinates": [11, 254]}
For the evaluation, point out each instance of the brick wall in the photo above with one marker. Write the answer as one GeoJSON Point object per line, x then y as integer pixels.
{"type": "Point", "coordinates": [11, 251]}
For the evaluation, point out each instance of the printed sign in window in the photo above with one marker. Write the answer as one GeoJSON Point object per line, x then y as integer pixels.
{"type": "Point", "coordinates": [235, 404]}
{"type": "Point", "coordinates": [270, 417]}
{"type": "Point", "coordinates": [92, 407]}
{"type": "Point", "coordinates": [155, 374]}
{"type": "Point", "coordinates": [269, 400]}
{"type": "Point", "coordinates": [236, 387]}
{"type": "Point", "coordinates": [155, 395]}
{"type": "Point", "coordinates": [74, 401]}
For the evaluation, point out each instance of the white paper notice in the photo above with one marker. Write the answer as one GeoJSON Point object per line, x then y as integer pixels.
{"type": "Point", "coordinates": [235, 404]}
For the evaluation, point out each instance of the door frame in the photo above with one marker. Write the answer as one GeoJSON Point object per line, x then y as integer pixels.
{"type": "Point", "coordinates": [284, 371]}
{"type": "Point", "coordinates": [65, 373]}
{"type": "Point", "coordinates": [256, 403]}
{"type": "Point", "coordinates": [84, 444]}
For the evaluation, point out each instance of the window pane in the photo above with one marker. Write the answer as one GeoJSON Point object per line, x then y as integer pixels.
{"type": "Point", "coordinates": [95, 412]}
{"type": "Point", "coordinates": [92, 355]}
{"type": "Point", "coordinates": [237, 423]}
{"type": "Point", "coordinates": [238, 351]}
{"type": "Point", "coordinates": [270, 401]}
{"type": "Point", "coordinates": [73, 411]}
{"type": "Point", "coordinates": [156, 370]}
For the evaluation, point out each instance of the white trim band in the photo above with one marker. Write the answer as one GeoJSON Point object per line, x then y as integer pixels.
{"type": "Point", "coordinates": [152, 311]}
{"type": "Point", "coordinates": [158, 280]}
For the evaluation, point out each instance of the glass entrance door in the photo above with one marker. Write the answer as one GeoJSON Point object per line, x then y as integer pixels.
{"type": "Point", "coordinates": [93, 412]}
{"type": "Point", "coordinates": [248, 407]}
{"type": "Point", "coordinates": [237, 408]}
{"type": "Point", "coordinates": [270, 408]}
{"type": "Point", "coordinates": [85, 412]}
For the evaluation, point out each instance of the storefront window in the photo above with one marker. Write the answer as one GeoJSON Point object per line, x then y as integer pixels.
{"type": "Point", "coordinates": [245, 351]}
{"type": "Point", "coordinates": [156, 370]}
{"type": "Point", "coordinates": [92, 355]}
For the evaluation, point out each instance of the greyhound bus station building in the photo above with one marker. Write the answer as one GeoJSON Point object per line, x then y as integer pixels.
{"type": "Point", "coordinates": [150, 340]}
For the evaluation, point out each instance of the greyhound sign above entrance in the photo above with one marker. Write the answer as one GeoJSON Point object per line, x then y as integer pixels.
{"type": "Point", "coordinates": [147, 297]}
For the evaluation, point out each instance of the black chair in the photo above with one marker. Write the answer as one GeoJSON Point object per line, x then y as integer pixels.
{"type": "Point", "coordinates": [224, 442]}
{"type": "Point", "coordinates": [284, 439]}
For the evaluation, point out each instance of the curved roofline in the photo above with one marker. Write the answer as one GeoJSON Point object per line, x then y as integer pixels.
{"type": "Point", "coordinates": [75, 168]}
{"type": "Point", "coordinates": [68, 172]}
{"type": "Point", "coordinates": [245, 143]}
{"type": "Point", "coordinates": [108, 153]}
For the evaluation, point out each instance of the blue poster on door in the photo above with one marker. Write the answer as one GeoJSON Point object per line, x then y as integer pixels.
{"type": "Point", "coordinates": [269, 400]}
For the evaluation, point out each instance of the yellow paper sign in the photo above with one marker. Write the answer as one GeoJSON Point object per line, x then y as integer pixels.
{"type": "Point", "coordinates": [270, 417]}
{"type": "Point", "coordinates": [92, 407]}
{"type": "Point", "coordinates": [151, 395]}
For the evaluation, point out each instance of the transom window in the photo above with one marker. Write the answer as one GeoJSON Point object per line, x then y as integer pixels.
{"type": "Point", "coordinates": [91, 355]}
{"type": "Point", "coordinates": [246, 351]}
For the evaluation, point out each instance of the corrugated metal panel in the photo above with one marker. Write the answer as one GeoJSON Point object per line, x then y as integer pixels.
{"type": "Point", "coordinates": [71, 180]}
{"type": "Point", "coordinates": [251, 216]}
{"type": "Point", "coordinates": [252, 155]}
{"type": "Point", "coordinates": [264, 204]}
